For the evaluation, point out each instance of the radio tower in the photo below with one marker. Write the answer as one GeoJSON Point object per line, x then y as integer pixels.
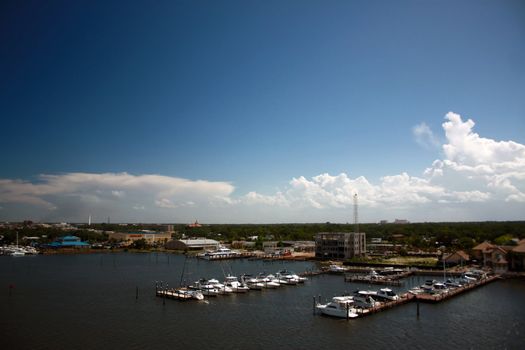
{"type": "Point", "coordinates": [356, 218]}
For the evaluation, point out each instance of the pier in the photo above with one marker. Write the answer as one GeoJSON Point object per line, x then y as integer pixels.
{"type": "Point", "coordinates": [435, 298]}
{"type": "Point", "coordinates": [369, 280]}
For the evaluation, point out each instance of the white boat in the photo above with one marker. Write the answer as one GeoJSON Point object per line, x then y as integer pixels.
{"type": "Point", "coordinates": [387, 294]}
{"type": "Point", "coordinates": [221, 287]}
{"type": "Point", "coordinates": [341, 306]}
{"type": "Point", "coordinates": [205, 288]}
{"type": "Point", "coordinates": [364, 299]}
{"type": "Point", "coordinates": [270, 281]}
{"type": "Point", "coordinates": [336, 269]}
{"type": "Point", "coordinates": [220, 253]}
{"type": "Point", "coordinates": [236, 285]}
{"type": "Point", "coordinates": [252, 282]}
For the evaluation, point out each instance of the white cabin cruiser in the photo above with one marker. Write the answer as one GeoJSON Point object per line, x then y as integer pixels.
{"type": "Point", "coordinates": [365, 299]}
{"type": "Point", "coordinates": [387, 294]}
{"type": "Point", "coordinates": [236, 285]}
{"type": "Point", "coordinates": [341, 306]}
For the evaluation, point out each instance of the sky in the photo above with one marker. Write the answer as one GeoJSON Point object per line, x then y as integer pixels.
{"type": "Point", "coordinates": [262, 111]}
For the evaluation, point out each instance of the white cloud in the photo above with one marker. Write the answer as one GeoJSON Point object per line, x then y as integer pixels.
{"type": "Point", "coordinates": [424, 136]}
{"type": "Point", "coordinates": [477, 179]}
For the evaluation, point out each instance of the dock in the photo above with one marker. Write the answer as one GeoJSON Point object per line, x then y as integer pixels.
{"type": "Point", "coordinates": [435, 298]}
{"type": "Point", "coordinates": [172, 294]}
{"type": "Point", "coordinates": [369, 280]}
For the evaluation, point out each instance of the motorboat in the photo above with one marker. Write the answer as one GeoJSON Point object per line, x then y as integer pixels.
{"type": "Point", "coordinates": [336, 269]}
{"type": "Point", "coordinates": [219, 253]}
{"type": "Point", "coordinates": [365, 299]}
{"type": "Point", "coordinates": [290, 277]}
{"type": "Point", "coordinates": [236, 285]}
{"type": "Point", "coordinates": [205, 288]}
{"type": "Point", "coordinates": [387, 294]}
{"type": "Point", "coordinates": [221, 287]}
{"type": "Point", "coordinates": [252, 282]}
{"type": "Point", "coordinates": [452, 283]}
{"type": "Point", "coordinates": [269, 281]}
{"type": "Point", "coordinates": [340, 306]}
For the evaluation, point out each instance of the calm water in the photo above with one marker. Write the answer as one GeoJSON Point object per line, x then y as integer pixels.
{"type": "Point", "coordinates": [89, 302]}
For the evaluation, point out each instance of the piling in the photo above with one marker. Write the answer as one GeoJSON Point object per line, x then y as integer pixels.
{"type": "Point", "coordinates": [137, 293]}
{"type": "Point", "coordinates": [313, 309]}
{"type": "Point", "coordinates": [417, 308]}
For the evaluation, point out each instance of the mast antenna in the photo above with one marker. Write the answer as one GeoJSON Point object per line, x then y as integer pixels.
{"type": "Point", "coordinates": [356, 218]}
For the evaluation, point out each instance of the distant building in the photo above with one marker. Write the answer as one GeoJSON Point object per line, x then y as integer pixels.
{"type": "Point", "coordinates": [192, 244]}
{"type": "Point", "coordinates": [340, 245]}
{"type": "Point", "coordinates": [383, 222]}
{"type": "Point", "coordinates": [68, 242]}
{"type": "Point", "coordinates": [401, 221]}
{"type": "Point", "coordinates": [195, 224]}
{"type": "Point", "coordinates": [151, 237]}
{"type": "Point", "coordinates": [456, 258]}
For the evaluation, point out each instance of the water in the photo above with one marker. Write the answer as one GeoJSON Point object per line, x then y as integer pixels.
{"type": "Point", "coordinates": [89, 302]}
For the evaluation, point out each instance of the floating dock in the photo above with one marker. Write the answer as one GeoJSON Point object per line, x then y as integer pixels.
{"type": "Point", "coordinates": [172, 294]}
{"type": "Point", "coordinates": [369, 280]}
{"type": "Point", "coordinates": [435, 298]}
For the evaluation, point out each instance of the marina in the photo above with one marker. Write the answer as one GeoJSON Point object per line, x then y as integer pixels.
{"type": "Point", "coordinates": [129, 300]}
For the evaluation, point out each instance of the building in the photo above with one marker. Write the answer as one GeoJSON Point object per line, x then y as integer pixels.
{"type": "Point", "coordinates": [194, 225]}
{"type": "Point", "coordinates": [193, 244]}
{"type": "Point", "coordinates": [151, 237]}
{"type": "Point", "coordinates": [340, 245]}
{"type": "Point", "coordinates": [517, 257]}
{"type": "Point", "coordinates": [456, 258]}
{"type": "Point", "coordinates": [68, 242]}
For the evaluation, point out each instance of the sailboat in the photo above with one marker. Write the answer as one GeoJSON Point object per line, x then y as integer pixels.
{"type": "Point", "coordinates": [16, 251]}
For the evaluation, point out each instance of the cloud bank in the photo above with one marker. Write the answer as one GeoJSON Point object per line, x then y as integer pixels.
{"type": "Point", "coordinates": [477, 179]}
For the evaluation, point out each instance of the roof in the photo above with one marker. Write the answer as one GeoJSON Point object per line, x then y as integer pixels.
{"type": "Point", "coordinates": [201, 241]}
{"type": "Point", "coordinates": [461, 254]}
{"type": "Point", "coordinates": [519, 248]}
{"type": "Point", "coordinates": [483, 246]}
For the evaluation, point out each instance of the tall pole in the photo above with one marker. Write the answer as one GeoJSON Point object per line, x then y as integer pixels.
{"type": "Point", "coordinates": [356, 218]}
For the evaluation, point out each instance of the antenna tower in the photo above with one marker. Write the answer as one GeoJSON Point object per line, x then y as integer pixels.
{"type": "Point", "coordinates": [356, 218]}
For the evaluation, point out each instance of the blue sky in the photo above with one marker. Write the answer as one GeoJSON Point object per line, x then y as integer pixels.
{"type": "Point", "coordinates": [254, 95]}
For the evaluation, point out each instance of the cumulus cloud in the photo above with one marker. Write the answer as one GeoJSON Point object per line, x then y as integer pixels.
{"type": "Point", "coordinates": [475, 170]}
{"type": "Point", "coordinates": [477, 179]}
{"type": "Point", "coordinates": [109, 192]}
{"type": "Point", "coordinates": [424, 136]}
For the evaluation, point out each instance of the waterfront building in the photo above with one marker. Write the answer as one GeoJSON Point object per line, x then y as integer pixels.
{"type": "Point", "coordinates": [517, 257]}
{"type": "Point", "coordinates": [68, 242]}
{"type": "Point", "coordinates": [340, 245]}
{"type": "Point", "coordinates": [456, 258]}
{"type": "Point", "coordinates": [193, 244]}
{"type": "Point", "coordinates": [151, 237]}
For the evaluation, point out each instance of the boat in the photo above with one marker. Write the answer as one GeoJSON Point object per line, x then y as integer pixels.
{"type": "Point", "coordinates": [452, 283]}
{"type": "Point", "coordinates": [220, 287]}
{"type": "Point", "coordinates": [236, 285]}
{"type": "Point", "coordinates": [336, 269]}
{"type": "Point", "coordinates": [269, 281]}
{"type": "Point", "coordinates": [387, 294]}
{"type": "Point", "coordinates": [365, 299]}
{"type": "Point", "coordinates": [252, 282]}
{"type": "Point", "coordinates": [219, 253]}
{"type": "Point", "coordinates": [340, 306]}
{"type": "Point", "coordinates": [205, 288]}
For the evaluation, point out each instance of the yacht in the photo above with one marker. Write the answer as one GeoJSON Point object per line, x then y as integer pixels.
{"type": "Point", "coordinates": [252, 282]}
{"type": "Point", "coordinates": [236, 285]}
{"type": "Point", "coordinates": [387, 294]}
{"type": "Point", "coordinates": [221, 287]}
{"type": "Point", "coordinates": [205, 288]}
{"type": "Point", "coordinates": [220, 253]}
{"type": "Point", "coordinates": [336, 269]}
{"type": "Point", "coordinates": [269, 281]}
{"type": "Point", "coordinates": [341, 306]}
{"type": "Point", "coordinates": [364, 299]}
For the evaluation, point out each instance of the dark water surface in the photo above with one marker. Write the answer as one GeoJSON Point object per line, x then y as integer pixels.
{"type": "Point", "coordinates": [89, 302]}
